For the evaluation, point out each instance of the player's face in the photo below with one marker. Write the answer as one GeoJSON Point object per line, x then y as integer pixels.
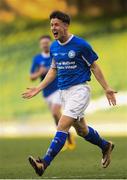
{"type": "Point", "coordinates": [45, 44]}
{"type": "Point", "coordinates": [58, 28]}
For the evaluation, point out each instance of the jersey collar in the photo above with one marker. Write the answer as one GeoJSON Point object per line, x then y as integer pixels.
{"type": "Point", "coordinates": [45, 55]}
{"type": "Point", "coordinates": [66, 42]}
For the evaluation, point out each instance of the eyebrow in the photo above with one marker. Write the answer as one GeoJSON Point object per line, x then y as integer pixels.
{"type": "Point", "coordinates": [54, 23]}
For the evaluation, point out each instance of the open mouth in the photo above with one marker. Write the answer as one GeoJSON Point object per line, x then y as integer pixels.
{"type": "Point", "coordinates": [55, 34]}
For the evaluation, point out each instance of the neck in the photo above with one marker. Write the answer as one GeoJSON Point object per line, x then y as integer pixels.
{"type": "Point", "coordinates": [45, 52]}
{"type": "Point", "coordinates": [65, 38]}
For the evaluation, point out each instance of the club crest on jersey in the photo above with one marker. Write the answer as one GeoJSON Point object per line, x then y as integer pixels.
{"type": "Point", "coordinates": [71, 54]}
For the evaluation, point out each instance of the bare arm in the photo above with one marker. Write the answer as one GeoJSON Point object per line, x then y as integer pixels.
{"type": "Point", "coordinates": [42, 70]}
{"type": "Point", "coordinates": [110, 93]}
{"type": "Point", "coordinates": [51, 75]}
{"type": "Point", "coordinates": [35, 90]}
{"type": "Point", "coordinates": [99, 75]}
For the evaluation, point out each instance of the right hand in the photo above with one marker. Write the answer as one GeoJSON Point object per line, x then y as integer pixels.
{"type": "Point", "coordinates": [30, 92]}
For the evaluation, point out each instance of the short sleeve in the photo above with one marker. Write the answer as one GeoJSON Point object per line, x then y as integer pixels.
{"type": "Point", "coordinates": [42, 63]}
{"type": "Point", "coordinates": [33, 66]}
{"type": "Point", "coordinates": [88, 54]}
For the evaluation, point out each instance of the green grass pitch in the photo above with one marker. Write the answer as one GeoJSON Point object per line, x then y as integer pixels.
{"type": "Point", "coordinates": [83, 162]}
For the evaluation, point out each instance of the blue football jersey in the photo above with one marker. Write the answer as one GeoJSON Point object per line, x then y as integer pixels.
{"type": "Point", "coordinates": [72, 60]}
{"type": "Point", "coordinates": [43, 60]}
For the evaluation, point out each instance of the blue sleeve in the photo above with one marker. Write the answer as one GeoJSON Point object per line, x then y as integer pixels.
{"type": "Point", "coordinates": [88, 54]}
{"type": "Point", "coordinates": [51, 57]}
{"type": "Point", "coordinates": [34, 66]}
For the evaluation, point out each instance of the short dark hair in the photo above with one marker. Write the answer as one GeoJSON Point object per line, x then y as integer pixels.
{"type": "Point", "coordinates": [60, 15]}
{"type": "Point", "coordinates": [45, 36]}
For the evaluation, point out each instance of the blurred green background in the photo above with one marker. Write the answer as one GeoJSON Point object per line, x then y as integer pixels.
{"type": "Point", "coordinates": [102, 23]}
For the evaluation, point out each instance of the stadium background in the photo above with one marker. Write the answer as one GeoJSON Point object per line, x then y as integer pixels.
{"type": "Point", "coordinates": [104, 25]}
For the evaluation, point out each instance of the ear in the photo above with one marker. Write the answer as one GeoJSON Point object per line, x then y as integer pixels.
{"type": "Point", "coordinates": [66, 26]}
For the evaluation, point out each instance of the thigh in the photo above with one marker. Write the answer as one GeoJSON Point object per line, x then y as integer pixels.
{"type": "Point", "coordinates": [55, 108]}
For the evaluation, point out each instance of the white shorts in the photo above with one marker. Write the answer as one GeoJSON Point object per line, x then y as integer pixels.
{"type": "Point", "coordinates": [54, 98]}
{"type": "Point", "coordinates": [75, 100]}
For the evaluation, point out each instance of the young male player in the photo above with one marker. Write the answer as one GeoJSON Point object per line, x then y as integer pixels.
{"type": "Point", "coordinates": [40, 66]}
{"type": "Point", "coordinates": [73, 60]}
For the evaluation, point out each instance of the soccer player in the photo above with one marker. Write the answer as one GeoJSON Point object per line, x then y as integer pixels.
{"type": "Point", "coordinates": [40, 66]}
{"type": "Point", "coordinates": [73, 60]}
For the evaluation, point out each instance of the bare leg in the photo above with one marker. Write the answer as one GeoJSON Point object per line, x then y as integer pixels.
{"type": "Point", "coordinates": [81, 127]}
{"type": "Point", "coordinates": [59, 140]}
{"type": "Point", "coordinates": [65, 123]}
{"type": "Point", "coordinates": [56, 112]}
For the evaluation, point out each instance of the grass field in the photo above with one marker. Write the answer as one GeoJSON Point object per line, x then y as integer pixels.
{"type": "Point", "coordinates": [83, 162]}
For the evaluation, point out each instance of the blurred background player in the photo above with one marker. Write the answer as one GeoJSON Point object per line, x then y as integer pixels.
{"type": "Point", "coordinates": [40, 66]}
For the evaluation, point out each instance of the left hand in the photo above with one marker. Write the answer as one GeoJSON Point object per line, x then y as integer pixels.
{"type": "Point", "coordinates": [110, 94]}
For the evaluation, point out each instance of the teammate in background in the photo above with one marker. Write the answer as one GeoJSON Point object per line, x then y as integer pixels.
{"type": "Point", "coordinates": [73, 60]}
{"type": "Point", "coordinates": [40, 66]}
